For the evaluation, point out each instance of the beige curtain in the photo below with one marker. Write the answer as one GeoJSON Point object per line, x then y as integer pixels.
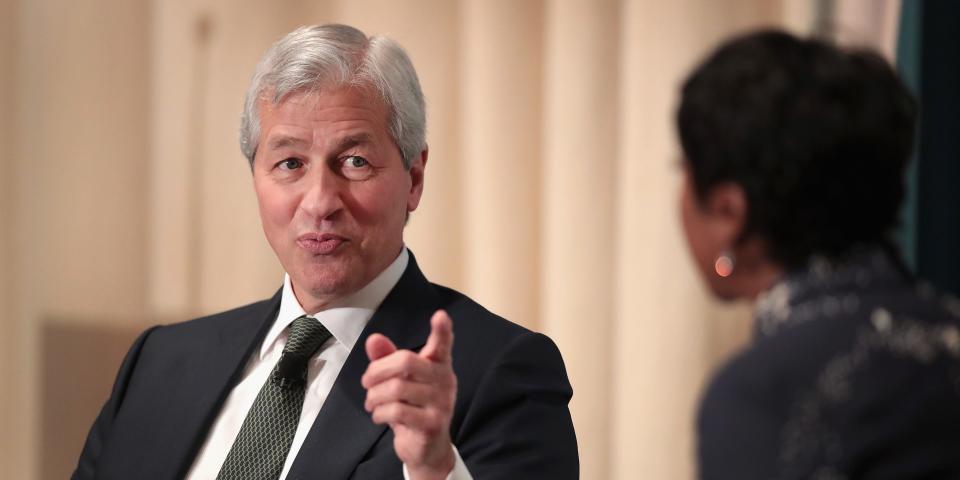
{"type": "Point", "coordinates": [9, 331]}
{"type": "Point", "coordinates": [550, 194]}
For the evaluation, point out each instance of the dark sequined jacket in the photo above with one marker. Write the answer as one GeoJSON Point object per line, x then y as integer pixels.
{"type": "Point", "coordinates": [853, 373]}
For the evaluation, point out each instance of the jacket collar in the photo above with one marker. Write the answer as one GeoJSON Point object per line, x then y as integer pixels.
{"type": "Point", "coordinates": [825, 287]}
{"type": "Point", "coordinates": [208, 379]}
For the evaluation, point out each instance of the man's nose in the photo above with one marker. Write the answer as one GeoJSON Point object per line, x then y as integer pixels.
{"type": "Point", "coordinates": [323, 199]}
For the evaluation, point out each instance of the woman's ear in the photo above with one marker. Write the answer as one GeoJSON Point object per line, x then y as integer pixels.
{"type": "Point", "coordinates": [726, 208]}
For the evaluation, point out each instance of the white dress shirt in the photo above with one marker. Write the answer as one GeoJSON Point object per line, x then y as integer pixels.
{"type": "Point", "coordinates": [345, 319]}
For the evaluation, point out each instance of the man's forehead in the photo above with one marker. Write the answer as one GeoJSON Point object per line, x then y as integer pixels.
{"type": "Point", "coordinates": [283, 138]}
{"type": "Point", "coordinates": [326, 105]}
{"type": "Point", "coordinates": [278, 140]}
{"type": "Point", "coordinates": [311, 97]}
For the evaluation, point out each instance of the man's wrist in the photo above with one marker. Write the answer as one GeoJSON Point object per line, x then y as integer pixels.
{"type": "Point", "coordinates": [440, 471]}
{"type": "Point", "coordinates": [458, 471]}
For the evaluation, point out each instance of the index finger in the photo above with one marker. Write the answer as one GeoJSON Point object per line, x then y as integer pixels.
{"type": "Point", "coordinates": [440, 342]}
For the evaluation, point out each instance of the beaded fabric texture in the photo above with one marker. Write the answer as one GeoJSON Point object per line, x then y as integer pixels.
{"type": "Point", "coordinates": [827, 292]}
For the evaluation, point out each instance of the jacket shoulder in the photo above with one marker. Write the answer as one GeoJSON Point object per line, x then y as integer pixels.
{"type": "Point", "coordinates": [475, 319]}
{"type": "Point", "coordinates": [256, 310]}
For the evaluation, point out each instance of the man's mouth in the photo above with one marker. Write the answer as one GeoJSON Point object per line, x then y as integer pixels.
{"type": "Point", "coordinates": [321, 243]}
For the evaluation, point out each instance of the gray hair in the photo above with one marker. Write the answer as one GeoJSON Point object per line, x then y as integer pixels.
{"type": "Point", "coordinates": [309, 58]}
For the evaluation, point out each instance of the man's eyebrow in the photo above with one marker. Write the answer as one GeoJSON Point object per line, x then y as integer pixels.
{"type": "Point", "coordinates": [354, 140]}
{"type": "Point", "coordinates": [284, 141]}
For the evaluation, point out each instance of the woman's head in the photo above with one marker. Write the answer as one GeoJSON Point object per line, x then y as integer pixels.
{"type": "Point", "coordinates": [793, 147]}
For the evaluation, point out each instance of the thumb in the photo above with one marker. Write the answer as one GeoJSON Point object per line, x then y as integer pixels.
{"type": "Point", "coordinates": [379, 346]}
{"type": "Point", "coordinates": [440, 342]}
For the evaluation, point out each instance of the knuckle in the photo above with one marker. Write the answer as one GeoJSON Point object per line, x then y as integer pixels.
{"type": "Point", "coordinates": [395, 387]}
{"type": "Point", "coordinates": [382, 414]}
{"type": "Point", "coordinates": [434, 423]}
{"type": "Point", "coordinates": [401, 414]}
{"type": "Point", "coordinates": [407, 362]}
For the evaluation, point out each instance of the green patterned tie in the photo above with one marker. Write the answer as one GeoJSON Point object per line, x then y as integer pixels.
{"type": "Point", "coordinates": [264, 440]}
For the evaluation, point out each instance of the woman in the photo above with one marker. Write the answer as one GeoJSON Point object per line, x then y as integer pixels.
{"type": "Point", "coordinates": [795, 154]}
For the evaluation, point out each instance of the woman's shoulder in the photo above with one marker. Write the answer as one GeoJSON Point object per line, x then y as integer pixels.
{"type": "Point", "coordinates": [844, 374]}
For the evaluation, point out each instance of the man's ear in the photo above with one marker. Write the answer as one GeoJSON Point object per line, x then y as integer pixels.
{"type": "Point", "coordinates": [416, 172]}
{"type": "Point", "coordinates": [727, 207]}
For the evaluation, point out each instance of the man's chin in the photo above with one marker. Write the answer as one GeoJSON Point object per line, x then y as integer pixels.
{"type": "Point", "coordinates": [322, 284]}
{"type": "Point", "coordinates": [326, 286]}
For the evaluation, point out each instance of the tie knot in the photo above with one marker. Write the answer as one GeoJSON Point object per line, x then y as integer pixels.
{"type": "Point", "coordinates": [305, 337]}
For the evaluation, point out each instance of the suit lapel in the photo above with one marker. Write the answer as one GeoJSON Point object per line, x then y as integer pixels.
{"type": "Point", "coordinates": [207, 382]}
{"type": "Point", "coordinates": [343, 431]}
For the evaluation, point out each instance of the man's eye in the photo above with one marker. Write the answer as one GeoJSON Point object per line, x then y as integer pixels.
{"type": "Point", "coordinates": [354, 161]}
{"type": "Point", "coordinates": [290, 164]}
{"type": "Point", "coordinates": [356, 168]}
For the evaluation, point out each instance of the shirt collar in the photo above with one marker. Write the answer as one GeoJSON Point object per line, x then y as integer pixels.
{"type": "Point", "coordinates": [344, 318]}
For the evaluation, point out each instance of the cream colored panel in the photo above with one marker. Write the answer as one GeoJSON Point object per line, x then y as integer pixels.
{"type": "Point", "coordinates": [579, 174]}
{"type": "Point", "coordinates": [501, 128]}
{"type": "Point", "coordinates": [181, 36]}
{"type": "Point", "coordinates": [427, 29]}
{"type": "Point", "coordinates": [82, 176]}
{"type": "Point", "coordinates": [84, 170]}
{"type": "Point", "coordinates": [798, 16]}
{"type": "Point", "coordinates": [664, 340]}
{"type": "Point", "coordinates": [869, 23]}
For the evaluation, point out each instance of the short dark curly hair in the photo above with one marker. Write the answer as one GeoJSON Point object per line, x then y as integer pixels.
{"type": "Point", "coordinates": [818, 138]}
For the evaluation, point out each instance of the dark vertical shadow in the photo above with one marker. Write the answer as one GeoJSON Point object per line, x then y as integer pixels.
{"type": "Point", "coordinates": [938, 168]}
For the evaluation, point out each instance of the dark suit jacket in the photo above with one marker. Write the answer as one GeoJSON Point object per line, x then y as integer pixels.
{"type": "Point", "coordinates": [854, 373]}
{"type": "Point", "coordinates": [510, 420]}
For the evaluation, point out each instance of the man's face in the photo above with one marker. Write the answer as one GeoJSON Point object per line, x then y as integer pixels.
{"type": "Point", "coordinates": [332, 190]}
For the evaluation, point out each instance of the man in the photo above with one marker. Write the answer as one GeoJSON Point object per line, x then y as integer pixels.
{"type": "Point", "coordinates": [349, 371]}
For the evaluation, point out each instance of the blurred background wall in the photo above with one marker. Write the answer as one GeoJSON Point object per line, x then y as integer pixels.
{"type": "Point", "coordinates": [550, 192]}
